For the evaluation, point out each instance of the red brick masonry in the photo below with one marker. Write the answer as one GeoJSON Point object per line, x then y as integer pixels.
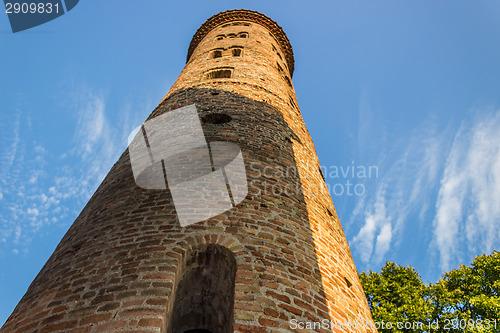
{"type": "Point", "coordinates": [119, 264]}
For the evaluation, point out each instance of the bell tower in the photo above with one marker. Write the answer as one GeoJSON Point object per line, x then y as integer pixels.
{"type": "Point", "coordinates": [276, 261]}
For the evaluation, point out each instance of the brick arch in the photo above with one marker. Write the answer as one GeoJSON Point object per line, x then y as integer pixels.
{"type": "Point", "coordinates": [194, 240]}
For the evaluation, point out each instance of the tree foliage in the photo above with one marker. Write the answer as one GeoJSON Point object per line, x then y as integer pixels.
{"type": "Point", "coordinates": [466, 299]}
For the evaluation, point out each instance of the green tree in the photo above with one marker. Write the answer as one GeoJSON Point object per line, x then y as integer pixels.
{"type": "Point", "coordinates": [397, 295]}
{"type": "Point", "coordinates": [466, 299]}
{"type": "Point", "coordinates": [471, 295]}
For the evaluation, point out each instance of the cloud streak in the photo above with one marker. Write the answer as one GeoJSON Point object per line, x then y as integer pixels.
{"type": "Point", "coordinates": [408, 177]}
{"type": "Point", "coordinates": [38, 189]}
{"type": "Point", "coordinates": [442, 185]}
{"type": "Point", "coordinates": [468, 210]}
{"type": "Point", "coordinates": [370, 238]}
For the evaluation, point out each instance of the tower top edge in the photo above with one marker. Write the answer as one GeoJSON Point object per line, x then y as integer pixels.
{"type": "Point", "coordinates": [244, 15]}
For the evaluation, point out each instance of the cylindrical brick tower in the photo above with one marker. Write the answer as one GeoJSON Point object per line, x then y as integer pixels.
{"type": "Point", "coordinates": [278, 261]}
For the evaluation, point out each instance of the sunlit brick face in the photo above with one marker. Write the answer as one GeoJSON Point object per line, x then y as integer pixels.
{"type": "Point", "coordinates": [254, 56]}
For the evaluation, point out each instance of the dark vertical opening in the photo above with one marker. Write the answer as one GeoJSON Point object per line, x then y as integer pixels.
{"type": "Point", "coordinates": [236, 52]}
{"type": "Point", "coordinates": [204, 296]}
{"type": "Point", "coordinates": [321, 173]}
{"type": "Point", "coordinates": [292, 102]}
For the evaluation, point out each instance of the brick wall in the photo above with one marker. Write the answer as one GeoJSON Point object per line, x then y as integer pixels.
{"type": "Point", "coordinates": [117, 268]}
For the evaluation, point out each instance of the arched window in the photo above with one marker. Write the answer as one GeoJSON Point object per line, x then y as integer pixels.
{"type": "Point", "coordinates": [236, 52]}
{"type": "Point", "coordinates": [204, 295]}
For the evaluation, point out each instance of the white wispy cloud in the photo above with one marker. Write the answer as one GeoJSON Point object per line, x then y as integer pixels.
{"type": "Point", "coordinates": [372, 236]}
{"type": "Point", "coordinates": [38, 189]}
{"type": "Point", "coordinates": [383, 243]}
{"type": "Point", "coordinates": [447, 181]}
{"type": "Point", "coordinates": [468, 210]}
{"type": "Point", "coordinates": [408, 177]}
{"type": "Point", "coordinates": [11, 153]}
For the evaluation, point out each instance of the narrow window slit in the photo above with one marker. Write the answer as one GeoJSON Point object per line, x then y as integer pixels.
{"type": "Point", "coordinates": [349, 284]}
{"type": "Point", "coordinates": [321, 173]}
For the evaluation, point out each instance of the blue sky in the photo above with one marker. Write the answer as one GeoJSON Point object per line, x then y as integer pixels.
{"type": "Point", "coordinates": [409, 88]}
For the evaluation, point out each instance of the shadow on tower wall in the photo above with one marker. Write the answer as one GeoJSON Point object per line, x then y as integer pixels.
{"type": "Point", "coordinates": [122, 260]}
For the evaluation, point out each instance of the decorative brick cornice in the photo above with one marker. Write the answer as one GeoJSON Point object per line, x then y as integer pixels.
{"type": "Point", "coordinates": [244, 15]}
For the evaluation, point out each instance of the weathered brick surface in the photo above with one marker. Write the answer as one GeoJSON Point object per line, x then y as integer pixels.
{"type": "Point", "coordinates": [116, 268]}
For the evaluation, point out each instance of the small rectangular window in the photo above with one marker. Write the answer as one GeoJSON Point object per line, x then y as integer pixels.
{"type": "Point", "coordinates": [216, 54]}
{"type": "Point", "coordinates": [224, 73]}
